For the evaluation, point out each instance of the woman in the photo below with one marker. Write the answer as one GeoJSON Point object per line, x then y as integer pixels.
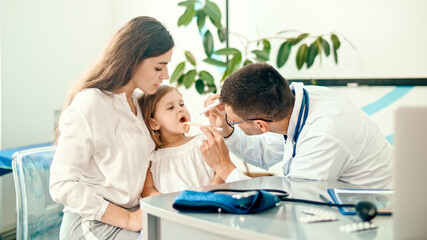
{"type": "Point", "coordinates": [99, 167]}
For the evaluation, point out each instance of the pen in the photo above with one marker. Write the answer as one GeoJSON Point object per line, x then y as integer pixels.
{"type": "Point", "coordinates": [207, 108]}
{"type": "Point", "coordinates": [324, 198]}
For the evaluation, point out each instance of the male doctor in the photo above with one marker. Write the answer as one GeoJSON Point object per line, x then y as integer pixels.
{"type": "Point", "coordinates": [315, 133]}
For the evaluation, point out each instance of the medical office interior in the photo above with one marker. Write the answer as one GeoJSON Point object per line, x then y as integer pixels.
{"type": "Point", "coordinates": [46, 45]}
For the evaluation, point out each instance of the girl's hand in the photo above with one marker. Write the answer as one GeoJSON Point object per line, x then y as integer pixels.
{"type": "Point", "coordinates": [215, 152]}
{"type": "Point", "coordinates": [216, 115]}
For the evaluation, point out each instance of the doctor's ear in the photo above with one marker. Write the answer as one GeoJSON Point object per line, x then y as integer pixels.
{"type": "Point", "coordinates": [153, 124]}
{"type": "Point", "coordinates": [263, 125]}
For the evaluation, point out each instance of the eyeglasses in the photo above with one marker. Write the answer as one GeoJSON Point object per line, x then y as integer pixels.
{"type": "Point", "coordinates": [231, 124]}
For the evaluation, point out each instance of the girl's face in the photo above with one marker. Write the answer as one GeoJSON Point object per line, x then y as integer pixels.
{"type": "Point", "coordinates": [151, 73]}
{"type": "Point", "coordinates": [170, 114]}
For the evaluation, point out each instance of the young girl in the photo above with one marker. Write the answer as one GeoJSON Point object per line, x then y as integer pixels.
{"type": "Point", "coordinates": [177, 163]}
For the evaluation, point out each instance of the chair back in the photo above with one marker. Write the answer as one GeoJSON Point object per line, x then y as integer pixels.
{"type": "Point", "coordinates": [38, 216]}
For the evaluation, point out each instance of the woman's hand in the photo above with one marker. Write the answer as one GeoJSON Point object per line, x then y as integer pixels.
{"type": "Point", "coordinates": [123, 218]}
{"type": "Point", "coordinates": [216, 115]}
{"type": "Point", "coordinates": [135, 221]}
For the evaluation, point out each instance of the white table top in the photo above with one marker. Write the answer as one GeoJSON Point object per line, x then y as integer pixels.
{"type": "Point", "coordinates": [277, 223]}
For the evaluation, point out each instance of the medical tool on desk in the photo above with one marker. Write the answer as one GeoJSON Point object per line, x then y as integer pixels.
{"type": "Point", "coordinates": [244, 201]}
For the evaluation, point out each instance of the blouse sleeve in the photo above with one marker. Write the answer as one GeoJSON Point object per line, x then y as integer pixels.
{"type": "Point", "coordinates": [72, 156]}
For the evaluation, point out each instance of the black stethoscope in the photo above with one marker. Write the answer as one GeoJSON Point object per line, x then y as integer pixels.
{"type": "Point", "coordinates": [364, 209]}
{"type": "Point", "coordinates": [302, 117]}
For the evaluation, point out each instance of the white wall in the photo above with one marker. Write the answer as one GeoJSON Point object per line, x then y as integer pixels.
{"type": "Point", "coordinates": [45, 46]}
{"type": "Point", "coordinates": [389, 35]}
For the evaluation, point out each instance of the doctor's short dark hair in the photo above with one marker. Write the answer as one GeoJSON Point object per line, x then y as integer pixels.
{"type": "Point", "coordinates": [258, 91]}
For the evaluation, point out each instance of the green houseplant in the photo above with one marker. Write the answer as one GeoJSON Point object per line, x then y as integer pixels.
{"type": "Point", "coordinates": [189, 73]}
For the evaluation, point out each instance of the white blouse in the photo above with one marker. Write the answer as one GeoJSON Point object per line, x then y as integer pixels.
{"type": "Point", "coordinates": [102, 154]}
{"type": "Point", "coordinates": [180, 168]}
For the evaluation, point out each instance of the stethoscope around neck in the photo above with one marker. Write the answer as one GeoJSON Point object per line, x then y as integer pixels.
{"type": "Point", "coordinates": [302, 117]}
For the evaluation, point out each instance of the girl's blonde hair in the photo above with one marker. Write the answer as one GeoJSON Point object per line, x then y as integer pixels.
{"type": "Point", "coordinates": [148, 104]}
{"type": "Point", "coordinates": [141, 38]}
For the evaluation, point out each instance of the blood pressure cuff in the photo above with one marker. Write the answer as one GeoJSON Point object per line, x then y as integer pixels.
{"type": "Point", "coordinates": [242, 203]}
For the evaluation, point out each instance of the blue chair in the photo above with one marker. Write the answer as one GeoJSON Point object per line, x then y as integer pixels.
{"type": "Point", "coordinates": [38, 216]}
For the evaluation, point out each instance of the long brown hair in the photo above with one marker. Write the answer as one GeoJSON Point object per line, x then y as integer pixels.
{"type": "Point", "coordinates": [141, 38]}
{"type": "Point", "coordinates": [148, 104]}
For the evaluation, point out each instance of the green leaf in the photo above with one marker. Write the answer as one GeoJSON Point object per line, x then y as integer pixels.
{"type": "Point", "coordinates": [187, 16]}
{"type": "Point", "coordinates": [190, 58]}
{"type": "Point", "coordinates": [221, 35]}
{"type": "Point", "coordinates": [267, 46]}
{"type": "Point", "coordinates": [335, 56]}
{"type": "Point", "coordinates": [311, 55]}
{"type": "Point", "coordinates": [232, 66]}
{"type": "Point", "coordinates": [301, 55]}
{"type": "Point", "coordinates": [283, 55]}
{"type": "Point", "coordinates": [211, 88]}
{"type": "Point", "coordinates": [189, 78]}
{"type": "Point", "coordinates": [227, 51]}
{"type": "Point", "coordinates": [335, 45]}
{"type": "Point", "coordinates": [201, 19]}
{"type": "Point", "coordinates": [261, 56]}
{"type": "Point", "coordinates": [216, 23]}
{"type": "Point", "coordinates": [200, 86]}
{"type": "Point", "coordinates": [177, 73]}
{"type": "Point", "coordinates": [247, 62]}
{"type": "Point", "coordinates": [235, 61]}
{"type": "Point", "coordinates": [208, 43]}
{"type": "Point", "coordinates": [179, 81]}
{"type": "Point", "coordinates": [215, 62]}
{"type": "Point", "coordinates": [335, 41]}
{"type": "Point", "coordinates": [299, 38]}
{"type": "Point", "coordinates": [207, 77]}
{"type": "Point", "coordinates": [319, 47]}
{"type": "Point", "coordinates": [187, 3]}
{"type": "Point", "coordinates": [212, 11]}
{"type": "Point", "coordinates": [326, 47]}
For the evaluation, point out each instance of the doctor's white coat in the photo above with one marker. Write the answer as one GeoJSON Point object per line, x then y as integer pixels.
{"type": "Point", "coordinates": [339, 142]}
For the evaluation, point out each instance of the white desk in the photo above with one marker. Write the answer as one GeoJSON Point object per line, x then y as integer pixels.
{"type": "Point", "coordinates": [162, 221]}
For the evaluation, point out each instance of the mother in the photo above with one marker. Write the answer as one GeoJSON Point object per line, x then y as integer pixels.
{"type": "Point", "coordinates": [101, 158]}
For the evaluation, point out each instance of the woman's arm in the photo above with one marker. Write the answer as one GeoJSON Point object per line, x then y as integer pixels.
{"type": "Point", "coordinates": [149, 189]}
{"type": "Point", "coordinates": [120, 217]}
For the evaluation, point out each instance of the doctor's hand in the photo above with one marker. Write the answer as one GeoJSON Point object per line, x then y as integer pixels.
{"type": "Point", "coordinates": [215, 152]}
{"type": "Point", "coordinates": [216, 115]}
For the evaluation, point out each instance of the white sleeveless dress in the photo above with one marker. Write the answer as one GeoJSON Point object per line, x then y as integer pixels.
{"type": "Point", "coordinates": [180, 168]}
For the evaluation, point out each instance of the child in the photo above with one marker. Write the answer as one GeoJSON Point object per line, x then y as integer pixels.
{"type": "Point", "coordinates": [177, 163]}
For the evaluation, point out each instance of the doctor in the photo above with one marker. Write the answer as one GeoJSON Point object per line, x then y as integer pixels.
{"type": "Point", "coordinates": [312, 131]}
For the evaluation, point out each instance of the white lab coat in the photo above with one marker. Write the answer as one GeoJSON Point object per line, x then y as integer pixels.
{"type": "Point", "coordinates": [339, 142]}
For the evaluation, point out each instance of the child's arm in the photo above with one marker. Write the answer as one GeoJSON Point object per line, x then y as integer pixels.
{"type": "Point", "coordinates": [217, 180]}
{"type": "Point", "coordinates": [149, 189]}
